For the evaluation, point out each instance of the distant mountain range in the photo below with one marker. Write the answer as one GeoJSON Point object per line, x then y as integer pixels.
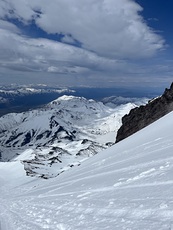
{"type": "Point", "coordinates": [16, 98]}
{"type": "Point", "coordinates": [20, 98]}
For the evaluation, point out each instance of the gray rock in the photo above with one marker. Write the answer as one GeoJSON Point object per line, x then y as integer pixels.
{"type": "Point", "coordinates": [143, 116]}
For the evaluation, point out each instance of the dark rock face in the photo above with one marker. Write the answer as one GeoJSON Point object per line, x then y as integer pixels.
{"type": "Point", "coordinates": [142, 116]}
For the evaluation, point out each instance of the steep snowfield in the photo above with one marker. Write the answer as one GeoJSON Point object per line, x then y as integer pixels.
{"type": "Point", "coordinates": [128, 186]}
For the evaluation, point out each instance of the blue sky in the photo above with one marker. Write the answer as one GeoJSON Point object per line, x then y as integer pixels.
{"type": "Point", "coordinates": [105, 43]}
{"type": "Point", "coordinates": [158, 14]}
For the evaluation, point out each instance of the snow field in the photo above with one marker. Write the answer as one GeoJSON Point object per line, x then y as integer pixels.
{"type": "Point", "coordinates": [128, 186]}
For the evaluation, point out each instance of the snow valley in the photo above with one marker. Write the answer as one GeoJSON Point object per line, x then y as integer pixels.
{"type": "Point", "coordinates": [127, 186]}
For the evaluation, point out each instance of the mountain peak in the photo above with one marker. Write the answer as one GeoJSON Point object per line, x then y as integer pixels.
{"type": "Point", "coordinates": [70, 100]}
{"type": "Point", "coordinates": [66, 98]}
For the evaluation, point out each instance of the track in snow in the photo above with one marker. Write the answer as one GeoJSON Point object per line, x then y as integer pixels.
{"type": "Point", "coordinates": [128, 186]}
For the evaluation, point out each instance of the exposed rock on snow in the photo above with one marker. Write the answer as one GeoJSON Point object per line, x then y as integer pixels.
{"type": "Point", "coordinates": [50, 161]}
{"type": "Point", "coordinates": [142, 116]}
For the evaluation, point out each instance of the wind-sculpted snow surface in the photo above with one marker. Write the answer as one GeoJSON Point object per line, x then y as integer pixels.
{"type": "Point", "coordinates": [128, 186]}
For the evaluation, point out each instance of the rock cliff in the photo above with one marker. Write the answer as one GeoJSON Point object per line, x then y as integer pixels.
{"type": "Point", "coordinates": [142, 116]}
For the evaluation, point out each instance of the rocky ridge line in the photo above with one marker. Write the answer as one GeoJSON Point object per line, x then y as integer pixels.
{"type": "Point", "coordinates": [144, 115]}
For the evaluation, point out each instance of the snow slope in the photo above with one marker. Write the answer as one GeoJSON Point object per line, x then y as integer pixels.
{"type": "Point", "coordinates": [128, 186]}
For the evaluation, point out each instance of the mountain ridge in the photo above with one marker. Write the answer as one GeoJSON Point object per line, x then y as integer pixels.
{"type": "Point", "coordinates": [59, 135]}
{"type": "Point", "coordinates": [144, 115]}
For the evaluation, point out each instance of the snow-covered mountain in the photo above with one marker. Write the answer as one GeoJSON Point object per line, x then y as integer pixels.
{"type": "Point", "coordinates": [127, 186]}
{"type": "Point", "coordinates": [59, 135]}
{"type": "Point", "coordinates": [19, 98]}
{"type": "Point", "coordinates": [23, 90]}
{"type": "Point", "coordinates": [114, 101]}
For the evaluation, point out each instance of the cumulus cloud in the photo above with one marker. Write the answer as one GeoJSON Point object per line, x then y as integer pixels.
{"type": "Point", "coordinates": [98, 38]}
{"type": "Point", "coordinates": [31, 54]}
{"type": "Point", "coordinates": [111, 28]}
{"type": "Point", "coordinates": [7, 26]}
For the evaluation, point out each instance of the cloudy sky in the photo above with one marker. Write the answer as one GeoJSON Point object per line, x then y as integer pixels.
{"type": "Point", "coordinates": [102, 43]}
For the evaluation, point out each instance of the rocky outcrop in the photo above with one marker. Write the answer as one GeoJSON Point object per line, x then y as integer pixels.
{"type": "Point", "coordinates": [51, 161]}
{"type": "Point", "coordinates": [142, 116]}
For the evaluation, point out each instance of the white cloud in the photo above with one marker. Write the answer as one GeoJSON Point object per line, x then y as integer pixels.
{"type": "Point", "coordinates": [4, 25]}
{"type": "Point", "coordinates": [67, 70]}
{"type": "Point", "coordinates": [29, 54]}
{"type": "Point", "coordinates": [112, 35]}
{"type": "Point", "coordinates": [111, 28]}
{"type": "Point", "coordinates": [68, 39]}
